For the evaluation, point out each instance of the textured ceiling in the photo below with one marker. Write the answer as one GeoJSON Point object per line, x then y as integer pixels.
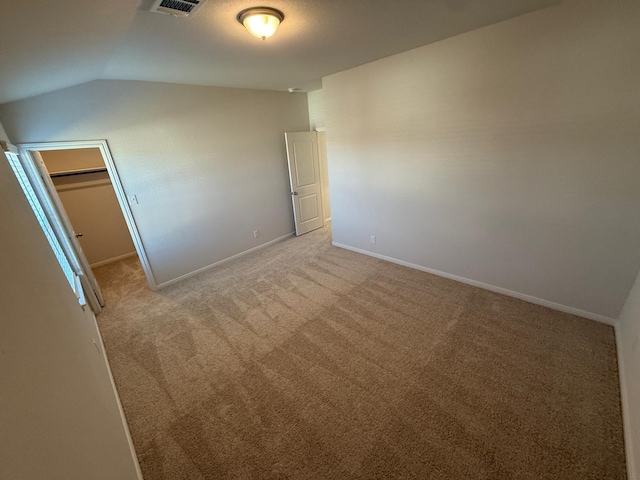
{"type": "Point", "coordinates": [47, 45]}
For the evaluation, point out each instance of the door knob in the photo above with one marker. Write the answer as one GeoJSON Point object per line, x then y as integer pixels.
{"type": "Point", "coordinates": [78, 235]}
{"type": "Point", "coordinates": [294, 193]}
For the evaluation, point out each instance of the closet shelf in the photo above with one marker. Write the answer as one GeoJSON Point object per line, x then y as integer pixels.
{"type": "Point", "coordinates": [82, 171]}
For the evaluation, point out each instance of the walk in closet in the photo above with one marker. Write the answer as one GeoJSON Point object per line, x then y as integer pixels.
{"type": "Point", "coordinates": [84, 187]}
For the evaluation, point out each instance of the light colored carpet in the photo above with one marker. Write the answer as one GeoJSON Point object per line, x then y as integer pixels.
{"type": "Point", "coordinates": [305, 361]}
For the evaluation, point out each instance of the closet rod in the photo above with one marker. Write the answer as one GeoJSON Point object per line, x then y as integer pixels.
{"type": "Point", "coordinates": [78, 172]}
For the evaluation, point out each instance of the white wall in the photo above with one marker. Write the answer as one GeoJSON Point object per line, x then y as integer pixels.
{"type": "Point", "coordinates": [3, 135]}
{"type": "Point", "coordinates": [59, 415]}
{"type": "Point", "coordinates": [208, 165]}
{"type": "Point", "coordinates": [508, 155]}
{"type": "Point", "coordinates": [316, 109]}
{"type": "Point", "coordinates": [628, 337]}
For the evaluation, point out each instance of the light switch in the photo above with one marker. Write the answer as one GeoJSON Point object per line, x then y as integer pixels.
{"type": "Point", "coordinates": [133, 199]}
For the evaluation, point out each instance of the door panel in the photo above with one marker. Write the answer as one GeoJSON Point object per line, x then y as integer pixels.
{"type": "Point", "coordinates": [304, 176]}
{"type": "Point", "coordinates": [309, 208]}
{"type": "Point", "coordinates": [303, 158]}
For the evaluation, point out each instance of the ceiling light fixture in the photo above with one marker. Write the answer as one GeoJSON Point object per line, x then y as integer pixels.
{"type": "Point", "coordinates": [261, 22]}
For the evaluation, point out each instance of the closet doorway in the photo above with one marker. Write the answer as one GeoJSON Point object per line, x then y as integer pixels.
{"type": "Point", "coordinates": [83, 183]}
{"type": "Point", "coordinates": [87, 195]}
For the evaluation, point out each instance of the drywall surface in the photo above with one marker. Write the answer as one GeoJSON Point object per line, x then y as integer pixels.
{"type": "Point", "coordinates": [3, 134]}
{"type": "Point", "coordinates": [324, 174]}
{"type": "Point", "coordinates": [93, 209]}
{"type": "Point", "coordinates": [508, 155]}
{"type": "Point", "coordinates": [72, 160]}
{"type": "Point", "coordinates": [628, 337]}
{"type": "Point", "coordinates": [208, 165]}
{"type": "Point", "coordinates": [316, 109]}
{"type": "Point", "coordinates": [59, 415]}
{"type": "Point", "coordinates": [91, 204]}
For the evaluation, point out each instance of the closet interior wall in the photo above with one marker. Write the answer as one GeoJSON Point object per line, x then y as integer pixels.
{"type": "Point", "coordinates": [85, 189]}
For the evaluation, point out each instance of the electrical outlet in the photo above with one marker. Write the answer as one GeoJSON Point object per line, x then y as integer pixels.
{"type": "Point", "coordinates": [372, 239]}
{"type": "Point", "coordinates": [256, 233]}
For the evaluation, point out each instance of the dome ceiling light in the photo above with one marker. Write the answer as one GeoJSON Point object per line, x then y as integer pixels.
{"type": "Point", "coordinates": [261, 22]}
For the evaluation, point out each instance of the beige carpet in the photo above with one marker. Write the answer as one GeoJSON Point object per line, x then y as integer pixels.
{"type": "Point", "coordinates": [305, 361]}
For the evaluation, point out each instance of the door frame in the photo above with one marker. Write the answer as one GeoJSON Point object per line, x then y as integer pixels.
{"type": "Point", "coordinates": [30, 152]}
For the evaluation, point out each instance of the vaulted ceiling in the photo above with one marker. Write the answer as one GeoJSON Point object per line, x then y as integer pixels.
{"type": "Point", "coordinates": [45, 45]}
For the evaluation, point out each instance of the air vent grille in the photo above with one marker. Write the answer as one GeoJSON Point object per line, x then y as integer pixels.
{"type": "Point", "coordinates": [180, 8]}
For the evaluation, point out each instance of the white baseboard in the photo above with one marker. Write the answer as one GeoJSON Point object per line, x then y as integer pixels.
{"type": "Point", "coordinates": [114, 259]}
{"type": "Point", "coordinates": [228, 259]}
{"type": "Point", "coordinates": [127, 432]}
{"type": "Point", "coordinates": [486, 286]}
{"type": "Point", "coordinates": [632, 473]}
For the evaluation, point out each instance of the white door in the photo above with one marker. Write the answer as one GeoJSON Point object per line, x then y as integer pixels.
{"type": "Point", "coordinates": [304, 174]}
{"type": "Point", "coordinates": [46, 192]}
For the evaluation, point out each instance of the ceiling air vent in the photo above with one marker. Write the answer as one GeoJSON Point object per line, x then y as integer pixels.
{"type": "Point", "coordinates": [178, 8]}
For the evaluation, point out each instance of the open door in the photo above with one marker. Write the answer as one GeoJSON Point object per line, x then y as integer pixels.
{"type": "Point", "coordinates": [48, 198]}
{"type": "Point", "coordinates": [77, 256]}
{"type": "Point", "coordinates": [304, 175]}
